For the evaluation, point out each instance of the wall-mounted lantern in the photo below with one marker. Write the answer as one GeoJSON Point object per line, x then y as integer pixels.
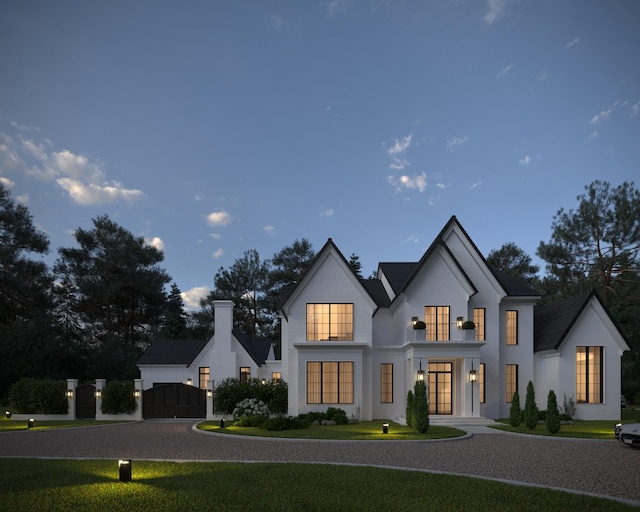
{"type": "Point", "coordinates": [7, 414]}
{"type": "Point", "coordinates": [136, 393]}
{"type": "Point", "coordinates": [414, 321]}
{"type": "Point", "coordinates": [189, 381]}
{"type": "Point", "coordinates": [210, 393]}
{"type": "Point", "coordinates": [459, 322]}
{"type": "Point", "coordinates": [473, 376]}
{"type": "Point", "coordinates": [69, 393]}
{"type": "Point", "coordinates": [124, 470]}
{"type": "Point", "coordinates": [98, 393]}
{"type": "Point", "coordinates": [421, 372]}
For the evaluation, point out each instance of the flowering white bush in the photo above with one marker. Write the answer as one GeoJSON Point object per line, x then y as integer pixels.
{"type": "Point", "coordinates": [250, 407]}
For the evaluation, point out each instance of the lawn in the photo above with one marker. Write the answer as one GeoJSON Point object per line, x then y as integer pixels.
{"type": "Point", "coordinates": [11, 425]}
{"type": "Point", "coordinates": [361, 431]}
{"type": "Point", "coordinates": [29, 484]}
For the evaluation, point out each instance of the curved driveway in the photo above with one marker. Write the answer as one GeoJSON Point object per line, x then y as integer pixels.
{"type": "Point", "coordinates": [596, 467]}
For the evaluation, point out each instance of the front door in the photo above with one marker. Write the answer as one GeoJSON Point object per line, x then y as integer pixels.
{"type": "Point", "coordinates": [440, 388]}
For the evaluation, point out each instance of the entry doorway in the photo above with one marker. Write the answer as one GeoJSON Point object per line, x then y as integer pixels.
{"type": "Point", "coordinates": [440, 388]}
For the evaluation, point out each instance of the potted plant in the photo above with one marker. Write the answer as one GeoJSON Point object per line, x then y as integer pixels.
{"type": "Point", "coordinates": [419, 325]}
{"type": "Point", "coordinates": [468, 329]}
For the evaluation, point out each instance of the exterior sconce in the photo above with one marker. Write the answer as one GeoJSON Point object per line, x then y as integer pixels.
{"type": "Point", "coordinates": [98, 393]}
{"type": "Point", "coordinates": [473, 376]}
{"type": "Point", "coordinates": [189, 381]}
{"type": "Point", "coordinates": [31, 422]}
{"type": "Point", "coordinates": [124, 470]}
{"type": "Point", "coordinates": [210, 393]}
{"type": "Point", "coordinates": [421, 372]}
{"type": "Point", "coordinates": [385, 428]}
{"type": "Point", "coordinates": [136, 393]}
{"type": "Point", "coordinates": [263, 382]}
{"type": "Point", "coordinates": [459, 322]}
{"type": "Point", "coordinates": [8, 414]}
{"type": "Point", "coordinates": [414, 321]}
{"type": "Point", "coordinates": [69, 393]}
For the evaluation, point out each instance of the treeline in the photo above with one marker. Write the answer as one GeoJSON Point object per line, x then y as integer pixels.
{"type": "Point", "coordinates": [103, 301]}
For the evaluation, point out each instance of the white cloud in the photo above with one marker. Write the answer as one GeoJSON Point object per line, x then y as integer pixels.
{"type": "Point", "coordinates": [496, 8]}
{"type": "Point", "coordinates": [88, 194]}
{"type": "Point", "coordinates": [326, 212]}
{"type": "Point", "coordinates": [441, 186]}
{"type": "Point", "coordinates": [476, 185]}
{"type": "Point", "coordinates": [399, 147]}
{"type": "Point", "coordinates": [156, 242]}
{"type": "Point", "coordinates": [7, 182]}
{"type": "Point", "coordinates": [592, 136]}
{"type": "Point", "coordinates": [525, 160]}
{"type": "Point", "coordinates": [336, 7]}
{"type": "Point", "coordinates": [268, 229]}
{"type": "Point", "coordinates": [419, 181]}
{"type": "Point", "coordinates": [218, 254]}
{"type": "Point", "coordinates": [454, 142]}
{"type": "Point", "coordinates": [215, 236]}
{"type": "Point", "coordinates": [191, 298]}
{"type": "Point", "coordinates": [220, 218]}
{"type": "Point", "coordinates": [505, 70]}
{"type": "Point", "coordinates": [23, 199]}
{"type": "Point", "coordinates": [635, 109]}
{"type": "Point", "coordinates": [602, 116]}
{"type": "Point", "coordinates": [573, 42]}
{"type": "Point", "coordinates": [277, 22]}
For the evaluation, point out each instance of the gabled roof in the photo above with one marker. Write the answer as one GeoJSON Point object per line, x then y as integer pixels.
{"type": "Point", "coordinates": [512, 285]}
{"type": "Point", "coordinates": [553, 323]}
{"type": "Point", "coordinates": [397, 273]}
{"type": "Point", "coordinates": [172, 352]}
{"type": "Point", "coordinates": [257, 348]}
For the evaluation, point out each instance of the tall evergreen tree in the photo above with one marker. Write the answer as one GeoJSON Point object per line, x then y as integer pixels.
{"type": "Point", "coordinates": [420, 407]}
{"type": "Point", "coordinates": [354, 263]}
{"type": "Point", "coordinates": [552, 416]}
{"type": "Point", "coordinates": [514, 261]}
{"type": "Point", "coordinates": [530, 415]}
{"type": "Point", "coordinates": [174, 319]}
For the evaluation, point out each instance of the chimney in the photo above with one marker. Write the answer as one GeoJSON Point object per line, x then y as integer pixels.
{"type": "Point", "coordinates": [223, 317]}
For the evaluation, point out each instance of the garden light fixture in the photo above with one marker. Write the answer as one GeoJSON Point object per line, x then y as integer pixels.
{"type": "Point", "coordinates": [124, 470]}
{"type": "Point", "coordinates": [7, 414]}
{"type": "Point", "coordinates": [385, 428]}
{"type": "Point", "coordinates": [30, 423]}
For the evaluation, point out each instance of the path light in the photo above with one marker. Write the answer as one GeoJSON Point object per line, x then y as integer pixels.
{"type": "Point", "coordinates": [385, 428]}
{"type": "Point", "coordinates": [7, 414]}
{"type": "Point", "coordinates": [124, 469]}
{"type": "Point", "coordinates": [221, 422]}
{"type": "Point", "coordinates": [473, 377]}
{"type": "Point", "coordinates": [31, 422]}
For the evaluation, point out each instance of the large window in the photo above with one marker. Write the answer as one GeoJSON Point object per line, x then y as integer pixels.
{"type": "Point", "coordinates": [204, 376]}
{"type": "Point", "coordinates": [437, 320]}
{"type": "Point", "coordinates": [330, 382]}
{"type": "Point", "coordinates": [512, 381]}
{"type": "Point", "coordinates": [589, 381]}
{"type": "Point", "coordinates": [386, 383]}
{"type": "Point", "coordinates": [330, 322]}
{"type": "Point", "coordinates": [245, 374]}
{"type": "Point", "coordinates": [478, 319]}
{"type": "Point", "coordinates": [481, 383]}
{"type": "Point", "coordinates": [512, 327]}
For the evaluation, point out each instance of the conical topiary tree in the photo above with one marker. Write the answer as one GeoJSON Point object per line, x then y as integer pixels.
{"type": "Point", "coordinates": [420, 407]}
{"type": "Point", "coordinates": [530, 409]}
{"type": "Point", "coordinates": [409, 411]}
{"type": "Point", "coordinates": [515, 413]}
{"type": "Point", "coordinates": [552, 417]}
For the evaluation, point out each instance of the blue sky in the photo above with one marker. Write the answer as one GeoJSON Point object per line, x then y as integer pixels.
{"type": "Point", "coordinates": [211, 128]}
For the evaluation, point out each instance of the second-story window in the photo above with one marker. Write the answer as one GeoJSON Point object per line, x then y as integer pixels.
{"type": "Point", "coordinates": [437, 320]}
{"type": "Point", "coordinates": [512, 327]}
{"type": "Point", "coordinates": [330, 322]}
{"type": "Point", "coordinates": [478, 319]}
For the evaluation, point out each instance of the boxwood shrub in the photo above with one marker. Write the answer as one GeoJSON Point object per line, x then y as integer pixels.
{"type": "Point", "coordinates": [31, 396]}
{"type": "Point", "coordinates": [117, 397]}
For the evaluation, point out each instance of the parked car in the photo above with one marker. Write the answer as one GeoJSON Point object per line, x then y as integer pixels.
{"type": "Point", "coordinates": [623, 401]}
{"type": "Point", "coordinates": [628, 434]}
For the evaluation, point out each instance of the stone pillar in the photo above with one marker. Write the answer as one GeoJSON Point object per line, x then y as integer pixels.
{"type": "Point", "coordinates": [100, 383]}
{"type": "Point", "coordinates": [210, 399]}
{"type": "Point", "coordinates": [137, 390]}
{"type": "Point", "coordinates": [72, 385]}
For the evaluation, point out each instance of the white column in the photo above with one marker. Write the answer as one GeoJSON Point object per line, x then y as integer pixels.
{"type": "Point", "coordinates": [210, 399]}
{"type": "Point", "coordinates": [100, 383]}
{"type": "Point", "coordinates": [72, 385]}
{"type": "Point", "coordinates": [137, 387]}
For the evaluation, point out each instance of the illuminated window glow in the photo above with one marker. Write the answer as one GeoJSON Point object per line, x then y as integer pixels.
{"type": "Point", "coordinates": [437, 320]}
{"type": "Point", "coordinates": [481, 382]}
{"type": "Point", "coordinates": [329, 322]}
{"type": "Point", "coordinates": [478, 319]}
{"type": "Point", "coordinates": [589, 381]}
{"type": "Point", "coordinates": [204, 376]}
{"type": "Point", "coordinates": [245, 374]}
{"type": "Point", "coordinates": [512, 327]}
{"type": "Point", "coordinates": [386, 383]}
{"type": "Point", "coordinates": [512, 381]}
{"type": "Point", "coordinates": [330, 382]}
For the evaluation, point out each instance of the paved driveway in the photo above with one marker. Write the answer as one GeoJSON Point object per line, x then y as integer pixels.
{"type": "Point", "coordinates": [598, 467]}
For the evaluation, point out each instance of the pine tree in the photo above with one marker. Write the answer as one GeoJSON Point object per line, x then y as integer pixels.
{"type": "Point", "coordinates": [552, 417]}
{"type": "Point", "coordinates": [409, 412]}
{"type": "Point", "coordinates": [515, 413]}
{"type": "Point", "coordinates": [530, 409]}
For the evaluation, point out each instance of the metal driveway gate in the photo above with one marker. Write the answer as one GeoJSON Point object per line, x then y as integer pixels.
{"type": "Point", "coordinates": [86, 402]}
{"type": "Point", "coordinates": [174, 401]}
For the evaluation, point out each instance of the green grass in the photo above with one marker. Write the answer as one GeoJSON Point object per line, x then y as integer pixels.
{"type": "Point", "coordinates": [361, 431]}
{"type": "Point", "coordinates": [28, 484]}
{"type": "Point", "coordinates": [10, 425]}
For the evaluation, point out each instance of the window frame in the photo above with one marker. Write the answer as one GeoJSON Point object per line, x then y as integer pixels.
{"type": "Point", "coordinates": [203, 376]}
{"type": "Point", "coordinates": [511, 331]}
{"type": "Point", "coordinates": [386, 383]}
{"type": "Point", "coordinates": [433, 318]}
{"type": "Point", "coordinates": [593, 392]}
{"type": "Point", "coordinates": [511, 381]}
{"type": "Point", "coordinates": [245, 374]}
{"type": "Point", "coordinates": [479, 318]}
{"type": "Point", "coordinates": [342, 379]}
{"type": "Point", "coordinates": [334, 328]}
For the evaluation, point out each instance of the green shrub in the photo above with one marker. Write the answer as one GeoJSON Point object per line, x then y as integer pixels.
{"type": "Point", "coordinates": [530, 410]}
{"type": "Point", "coordinates": [251, 421]}
{"type": "Point", "coordinates": [552, 419]}
{"type": "Point", "coordinates": [31, 396]}
{"type": "Point", "coordinates": [515, 413]}
{"type": "Point", "coordinates": [282, 422]}
{"type": "Point", "coordinates": [117, 397]}
{"type": "Point", "coordinates": [231, 391]}
{"type": "Point", "coordinates": [420, 407]}
{"type": "Point", "coordinates": [409, 411]}
{"type": "Point", "coordinates": [337, 415]}
{"type": "Point", "coordinates": [569, 406]}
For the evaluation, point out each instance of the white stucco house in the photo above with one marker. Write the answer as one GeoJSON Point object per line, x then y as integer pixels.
{"type": "Point", "coordinates": [351, 343]}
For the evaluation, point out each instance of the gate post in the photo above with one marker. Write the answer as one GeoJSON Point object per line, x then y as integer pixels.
{"type": "Point", "coordinates": [210, 399]}
{"type": "Point", "coordinates": [99, 388]}
{"type": "Point", "coordinates": [137, 386]}
{"type": "Point", "coordinates": [72, 385]}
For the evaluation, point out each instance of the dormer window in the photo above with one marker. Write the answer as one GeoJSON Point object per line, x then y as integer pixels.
{"type": "Point", "coordinates": [329, 322]}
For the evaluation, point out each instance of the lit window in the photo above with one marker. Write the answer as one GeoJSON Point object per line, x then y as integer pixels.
{"type": "Point", "coordinates": [204, 376]}
{"type": "Point", "coordinates": [589, 379]}
{"type": "Point", "coordinates": [330, 322]}
{"type": "Point", "coordinates": [478, 319]}
{"type": "Point", "coordinates": [276, 376]}
{"type": "Point", "coordinates": [437, 320]}
{"type": "Point", "coordinates": [512, 327]}
{"type": "Point", "coordinates": [512, 381]}
{"type": "Point", "coordinates": [386, 383]}
{"type": "Point", "coordinates": [245, 374]}
{"type": "Point", "coordinates": [481, 382]}
{"type": "Point", "coordinates": [330, 382]}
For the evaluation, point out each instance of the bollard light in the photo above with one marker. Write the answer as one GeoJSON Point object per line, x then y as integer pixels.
{"type": "Point", "coordinates": [124, 470]}
{"type": "Point", "coordinates": [7, 414]}
{"type": "Point", "coordinates": [385, 428]}
{"type": "Point", "coordinates": [30, 423]}
{"type": "Point", "coordinates": [222, 423]}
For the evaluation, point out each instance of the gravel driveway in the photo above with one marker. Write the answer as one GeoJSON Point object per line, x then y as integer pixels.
{"type": "Point", "coordinates": [598, 467]}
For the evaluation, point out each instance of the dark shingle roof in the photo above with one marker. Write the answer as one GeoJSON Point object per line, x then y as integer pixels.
{"type": "Point", "coordinates": [512, 285]}
{"type": "Point", "coordinates": [552, 323]}
{"type": "Point", "coordinates": [376, 291]}
{"type": "Point", "coordinates": [397, 273]}
{"type": "Point", "coordinates": [172, 352]}
{"type": "Point", "coordinates": [257, 348]}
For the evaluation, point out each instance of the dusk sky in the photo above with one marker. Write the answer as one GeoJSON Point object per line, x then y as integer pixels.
{"type": "Point", "coordinates": [215, 127]}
